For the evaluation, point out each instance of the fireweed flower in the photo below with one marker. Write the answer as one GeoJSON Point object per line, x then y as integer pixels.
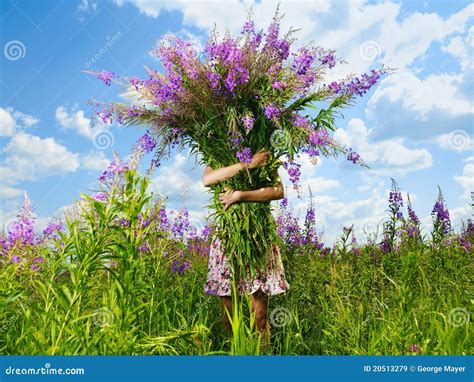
{"type": "Point", "coordinates": [114, 168]}
{"type": "Point", "coordinates": [249, 27]}
{"type": "Point", "coordinates": [353, 157]}
{"type": "Point", "coordinates": [22, 230]}
{"type": "Point", "coordinates": [271, 111]}
{"type": "Point", "coordinates": [105, 76]}
{"type": "Point", "coordinates": [328, 59]}
{"type": "Point", "coordinates": [440, 215]}
{"type": "Point", "coordinates": [248, 122]}
{"type": "Point", "coordinates": [303, 61]}
{"type": "Point", "coordinates": [105, 116]}
{"type": "Point", "coordinates": [279, 85]}
{"type": "Point", "coordinates": [135, 82]}
{"type": "Point", "coordinates": [147, 143]}
{"type": "Point", "coordinates": [205, 95]}
{"type": "Point", "coordinates": [52, 227]}
{"type": "Point", "coordinates": [36, 263]}
{"type": "Point", "coordinates": [293, 170]}
{"type": "Point", "coordinates": [245, 155]}
{"type": "Point", "coordinates": [100, 196]}
{"type": "Point", "coordinates": [414, 348]}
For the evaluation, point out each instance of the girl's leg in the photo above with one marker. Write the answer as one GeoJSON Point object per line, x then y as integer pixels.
{"type": "Point", "coordinates": [260, 308]}
{"type": "Point", "coordinates": [226, 302]}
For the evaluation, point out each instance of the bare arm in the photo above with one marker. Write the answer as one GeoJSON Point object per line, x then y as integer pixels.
{"type": "Point", "coordinates": [262, 194]}
{"type": "Point", "coordinates": [212, 176]}
{"type": "Point", "coordinates": [229, 197]}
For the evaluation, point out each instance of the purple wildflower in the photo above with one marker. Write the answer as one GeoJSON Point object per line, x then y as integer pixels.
{"type": "Point", "coordinates": [328, 59]}
{"type": "Point", "coordinates": [245, 155]}
{"type": "Point", "coordinates": [52, 227]}
{"type": "Point", "coordinates": [271, 111]}
{"type": "Point", "coordinates": [248, 122]}
{"type": "Point", "coordinates": [293, 170]}
{"type": "Point", "coordinates": [105, 76]}
{"type": "Point", "coordinates": [100, 196]}
{"type": "Point", "coordinates": [147, 143]}
{"type": "Point", "coordinates": [353, 157]}
{"type": "Point", "coordinates": [440, 214]}
{"type": "Point", "coordinates": [22, 230]}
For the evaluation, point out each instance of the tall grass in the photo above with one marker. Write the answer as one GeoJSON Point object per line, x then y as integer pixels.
{"type": "Point", "coordinates": [97, 292]}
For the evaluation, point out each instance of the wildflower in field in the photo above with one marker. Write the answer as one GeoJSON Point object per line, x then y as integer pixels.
{"type": "Point", "coordinates": [115, 168]}
{"type": "Point", "coordinates": [144, 247]}
{"type": "Point", "coordinates": [15, 259]}
{"type": "Point", "coordinates": [53, 226]}
{"type": "Point", "coordinates": [100, 196]}
{"type": "Point", "coordinates": [414, 348]}
{"type": "Point", "coordinates": [440, 215]}
{"type": "Point", "coordinates": [180, 267]}
{"type": "Point", "coordinates": [37, 263]}
{"type": "Point", "coordinates": [21, 232]}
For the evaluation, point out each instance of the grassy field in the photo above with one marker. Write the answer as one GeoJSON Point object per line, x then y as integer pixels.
{"type": "Point", "coordinates": [122, 277]}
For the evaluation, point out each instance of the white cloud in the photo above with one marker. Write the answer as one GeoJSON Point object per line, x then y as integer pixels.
{"type": "Point", "coordinates": [95, 161]}
{"type": "Point", "coordinates": [7, 123]}
{"type": "Point", "coordinates": [461, 48]}
{"type": "Point", "coordinates": [185, 35]}
{"type": "Point", "coordinates": [174, 181]}
{"type": "Point", "coordinates": [30, 157]}
{"type": "Point", "coordinates": [438, 93]}
{"type": "Point", "coordinates": [231, 14]}
{"type": "Point", "coordinates": [11, 121]}
{"type": "Point", "coordinates": [75, 120]}
{"type": "Point", "coordinates": [84, 7]}
{"type": "Point", "coordinates": [466, 179]}
{"type": "Point", "coordinates": [384, 156]}
{"type": "Point", "coordinates": [457, 140]}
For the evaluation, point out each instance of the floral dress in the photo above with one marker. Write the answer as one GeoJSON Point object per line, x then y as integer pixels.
{"type": "Point", "coordinates": [219, 277]}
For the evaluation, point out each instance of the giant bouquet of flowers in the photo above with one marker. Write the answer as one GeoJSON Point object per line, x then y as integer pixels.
{"type": "Point", "coordinates": [241, 95]}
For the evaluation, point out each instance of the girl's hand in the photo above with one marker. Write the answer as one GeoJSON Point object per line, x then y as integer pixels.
{"type": "Point", "coordinates": [229, 197]}
{"type": "Point", "coordinates": [259, 159]}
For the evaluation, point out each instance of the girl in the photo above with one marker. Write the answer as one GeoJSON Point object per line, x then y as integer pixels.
{"type": "Point", "coordinates": [268, 282]}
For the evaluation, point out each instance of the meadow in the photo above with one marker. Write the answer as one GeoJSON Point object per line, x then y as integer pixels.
{"type": "Point", "coordinates": [123, 275]}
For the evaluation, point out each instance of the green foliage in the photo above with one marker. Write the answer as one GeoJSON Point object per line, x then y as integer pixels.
{"type": "Point", "coordinates": [96, 293]}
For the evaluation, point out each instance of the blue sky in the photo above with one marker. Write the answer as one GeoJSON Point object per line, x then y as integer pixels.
{"type": "Point", "coordinates": [415, 126]}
